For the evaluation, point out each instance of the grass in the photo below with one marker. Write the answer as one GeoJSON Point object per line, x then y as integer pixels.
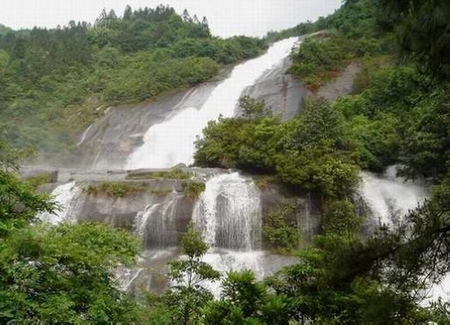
{"type": "Point", "coordinates": [176, 173]}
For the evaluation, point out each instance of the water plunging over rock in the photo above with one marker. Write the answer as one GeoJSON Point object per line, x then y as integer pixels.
{"type": "Point", "coordinates": [70, 201]}
{"type": "Point", "coordinates": [157, 224]}
{"type": "Point", "coordinates": [112, 137]}
{"type": "Point", "coordinates": [388, 197]}
{"type": "Point", "coordinates": [172, 141]}
{"type": "Point", "coordinates": [229, 213]}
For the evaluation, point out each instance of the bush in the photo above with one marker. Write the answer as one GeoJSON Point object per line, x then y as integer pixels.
{"type": "Point", "coordinates": [193, 189]}
{"type": "Point", "coordinates": [281, 230]}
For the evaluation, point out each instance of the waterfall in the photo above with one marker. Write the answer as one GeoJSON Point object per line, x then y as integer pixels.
{"type": "Point", "coordinates": [156, 225]}
{"type": "Point", "coordinates": [229, 214]}
{"type": "Point", "coordinates": [389, 197]}
{"type": "Point", "coordinates": [172, 141]}
{"type": "Point", "coordinates": [69, 199]}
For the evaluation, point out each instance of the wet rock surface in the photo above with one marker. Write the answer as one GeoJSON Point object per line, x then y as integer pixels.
{"type": "Point", "coordinates": [342, 85]}
{"type": "Point", "coordinates": [110, 139]}
{"type": "Point", "coordinates": [282, 93]}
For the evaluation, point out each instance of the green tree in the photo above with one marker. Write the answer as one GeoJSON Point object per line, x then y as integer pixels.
{"type": "Point", "coordinates": [183, 302]}
{"type": "Point", "coordinates": [422, 28]}
{"type": "Point", "coordinates": [56, 274]}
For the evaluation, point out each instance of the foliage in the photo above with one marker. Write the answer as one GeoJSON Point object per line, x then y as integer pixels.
{"type": "Point", "coordinates": [18, 202]}
{"type": "Point", "coordinates": [183, 302]}
{"type": "Point", "coordinates": [340, 218]}
{"type": "Point", "coordinates": [308, 152]}
{"type": "Point", "coordinates": [176, 173]}
{"type": "Point", "coordinates": [241, 300]}
{"type": "Point", "coordinates": [281, 230]}
{"type": "Point", "coordinates": [115, 190]}
{"type": "Point", "coordinates": [52, 78]}
{"type": "Point", "coordinates": [318, 57]}
{"type": "Point", "coordinates": [61, 273]}
{"type": "Point", "coordinates": [252, 109]}
{"type": "Point", "coordinates": [238, 142]}
{"type": "Point", "coordinates": [193, 189]}
{"type": "Point", "coordinates": [414, 22]}
{"type": "Point", "coordinates": [40, 179]}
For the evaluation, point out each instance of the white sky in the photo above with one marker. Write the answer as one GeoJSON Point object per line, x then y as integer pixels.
{"type": "Point", "coordinates": [226, 17]}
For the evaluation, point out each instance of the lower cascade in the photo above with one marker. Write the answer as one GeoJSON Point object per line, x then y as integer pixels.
{"type": "Point", "coordinates": [390, 197]}
{"type": "Point", "coordinates": [229, 216]}
{"type": "Point", "coordinates": [228, 213]}
{"type": "Point", "coordinates": [156, 224]}
{"type": "Point", "coordinates": [69, 199]}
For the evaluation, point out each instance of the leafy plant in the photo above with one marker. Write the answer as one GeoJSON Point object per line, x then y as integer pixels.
{"type": "Point", "coordinates": [193, 189]}
{"type": "Point", "coordinates": [281, 230]}
{"type": "Point", "coordinates": [115, 189]}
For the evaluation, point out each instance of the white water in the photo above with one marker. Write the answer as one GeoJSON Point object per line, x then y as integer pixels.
{"type": "Point", "coordinates": [228, 213]}
{"type": "Point", "coordinates": [156, 224]}
{"type": "Point", "coordinates": [389, 197]}
{"type": "Point", "coordinates": [261, 263]}
{"type": "Point", "coordinates": [69, 199]}
{"type": "Point", "coordinates": [172, 142]}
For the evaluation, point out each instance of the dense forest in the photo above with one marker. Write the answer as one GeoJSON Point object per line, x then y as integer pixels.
{"type": "Point", "coordinates": [398, 113]}
{"type": "Point", "coordinates": [67, 76]}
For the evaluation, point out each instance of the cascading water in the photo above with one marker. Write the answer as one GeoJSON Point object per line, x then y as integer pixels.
{"type": "Point", "coordinates": [156, 224]}
{"type": "Point", "coordinates": [69, 199]}
{"type": "Point", "coordinates": [229, 216]}
{"type": "Point", "coordinates": [228, 213]}
{"type": "Point", "coordinates": [172, 142]}
{"type": "Point", "coordinates": [389, 197]}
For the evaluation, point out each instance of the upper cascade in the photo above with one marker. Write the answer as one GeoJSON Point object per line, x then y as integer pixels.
{"type": "Point", "coordinates": [229, 214]}
{"type": "Point", "coordinates": [172, 141]}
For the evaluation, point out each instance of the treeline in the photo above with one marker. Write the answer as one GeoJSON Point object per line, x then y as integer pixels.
{"type": "Point", "coordinates": [50, 79]}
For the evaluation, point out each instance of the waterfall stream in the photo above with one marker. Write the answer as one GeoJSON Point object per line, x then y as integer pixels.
{"type": "Point", "coordinates": [172, 141]}
{"type": "Point", "coordinates": [228, 213]}
{"type": "Point", "coordinates": [156, 224]}
{"type": "Point", "coordinates": [390, 197]}
{"type": "Point", "coordinates": [69, 199]}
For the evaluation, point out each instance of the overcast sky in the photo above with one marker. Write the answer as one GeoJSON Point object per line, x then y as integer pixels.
{"type": "Point", "coordinates": [226, 17]}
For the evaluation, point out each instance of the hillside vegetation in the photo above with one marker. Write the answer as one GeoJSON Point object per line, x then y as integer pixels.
{"type": "Point", "coordinates": [53, 83]}
{"type": "Point", "coordinates": [399, 113]}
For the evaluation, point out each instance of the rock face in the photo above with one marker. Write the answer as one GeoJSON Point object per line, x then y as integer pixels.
{"type": "Point", "coordinates": [282, 93]}
{"type": "Point", "coordinates": [159, 210]}
{"type": "Point", "coordinates": [156, 210]}
{"type": "Point", "coordinates": [342, 85]}
{"type": "Point", "coordinates": [110, 139]}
